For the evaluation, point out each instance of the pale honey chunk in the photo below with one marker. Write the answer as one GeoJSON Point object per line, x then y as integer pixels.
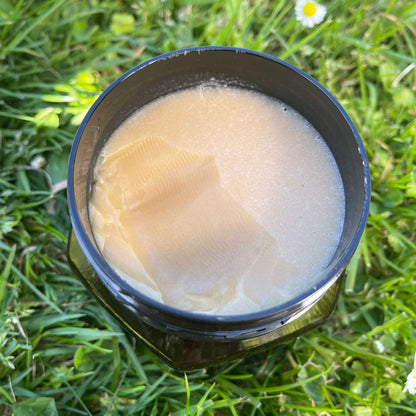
{"type": "Point", "coordinates": [217, 200]}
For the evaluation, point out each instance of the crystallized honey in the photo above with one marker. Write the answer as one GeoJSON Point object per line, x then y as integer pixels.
{"type": "Point", "coordinates": [217, 200]}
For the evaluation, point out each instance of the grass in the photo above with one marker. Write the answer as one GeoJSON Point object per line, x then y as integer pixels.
{"type": "Point", "coordinates": [60, 352]}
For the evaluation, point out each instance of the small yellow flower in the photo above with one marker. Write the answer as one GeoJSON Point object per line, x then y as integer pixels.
{"type": "Point", "coordinates": [411, 380]}
{"type": "Point", "coordinates": [309, 12]}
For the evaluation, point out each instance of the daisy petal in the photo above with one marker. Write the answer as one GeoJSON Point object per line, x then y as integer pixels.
{"type": "Point", "coordinates": [410, 385]}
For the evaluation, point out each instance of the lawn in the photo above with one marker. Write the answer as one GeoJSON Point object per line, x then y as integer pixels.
{"type": "Point", "coordinates": [60, 351]}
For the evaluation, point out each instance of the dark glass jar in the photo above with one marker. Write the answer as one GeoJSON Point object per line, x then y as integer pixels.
{"type": "Point", "coordinates": [189, 340]}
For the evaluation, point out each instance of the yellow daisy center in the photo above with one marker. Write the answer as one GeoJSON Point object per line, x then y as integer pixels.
{"type": "Point", "coordinates": [309, 9]}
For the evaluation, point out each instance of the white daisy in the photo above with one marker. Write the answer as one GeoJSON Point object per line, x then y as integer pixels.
{"type": "Point", "coordinates": [309, 12]}
{"type": "Point", "coordinates": [38, 162]}
{"type": "Point", "coordinates": [411, 380]}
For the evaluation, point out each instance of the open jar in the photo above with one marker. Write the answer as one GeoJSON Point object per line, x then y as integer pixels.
{"type": "Point", "coordinates": [189, 339]}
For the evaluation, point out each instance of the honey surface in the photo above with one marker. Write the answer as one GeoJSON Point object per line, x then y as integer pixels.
{"type": "Point", "coordinates": [217, 200]}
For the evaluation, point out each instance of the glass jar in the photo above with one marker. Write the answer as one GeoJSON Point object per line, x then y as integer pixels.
{"type": "Point", "coordinates": [189, 340]}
